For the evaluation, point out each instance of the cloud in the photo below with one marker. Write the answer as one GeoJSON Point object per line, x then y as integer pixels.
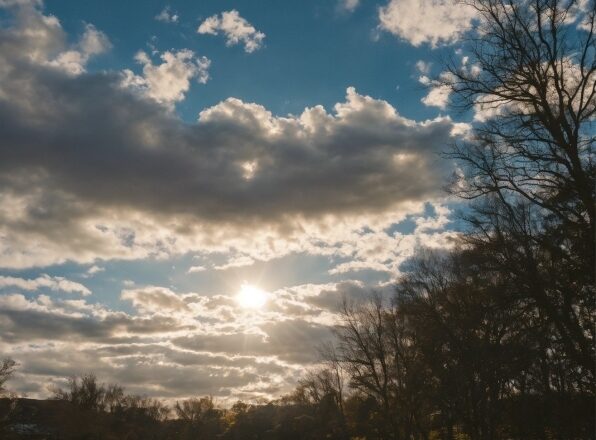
{"type": "Point", "coordinates": [170, 356]}
{"type": "Point", "coordinates": [167, 15]}
{"type": "Point", "coordinates": [439, 90]}
{"type": "Point", "coordinates": [154, 299]}
{"type": "Point", "coordinates": [143, 183]}
{"type": "Point", "coordinates": [432, 22]}
{"type": "Point", "coordinates": [40, 39]}
{"type": "Point", "coordinates": [25, 321]}
{"type": "Point", "coordinates": [73, 61]}
{"type": "Point", "coordinates": [332, 297]}
{"type": "Point", "coordinates": [289, 340]}
{"type": "Point", "coordinates": [44, 281]}
{"type": "Point", "coordinates": [236, 29]}
{"type": "Point", "coordinates": [154, 369]}
{"type": "Point", "coordinates": [579, 14]}
{"type": "Point", "coordinates": [94, 270]}
{"type": "Point", "coordinates": [195, 269]}
{"type": "Point", "coordinates": [423, 67]}
{"type": "Point", "coordinates": [348, 5]}
{"type": "Point", "coordinates": [167, 83]}
{"type": "Point", "coordinates": [236, 261]}
{"type": "Point", "coordinates": [90, 169]}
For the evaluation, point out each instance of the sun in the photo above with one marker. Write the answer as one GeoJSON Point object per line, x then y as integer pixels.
{"type": "Point", "coordinates": [251, 297]}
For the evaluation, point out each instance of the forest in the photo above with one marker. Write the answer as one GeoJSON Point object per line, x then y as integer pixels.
{"type": "Point", "coordinates": [491, 340]}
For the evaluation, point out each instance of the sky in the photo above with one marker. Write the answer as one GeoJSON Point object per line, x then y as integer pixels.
{"type": "Point", "coordinates": [189, 190]}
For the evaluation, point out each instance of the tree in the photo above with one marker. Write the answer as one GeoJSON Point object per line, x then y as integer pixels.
{"type": "Point", "coordinates": [7, 368]}
{"type": "Point", "coordinates": [470, 338]}
{"type": "Point", "coordinates": [376, 351]}
{"type": "Point", "coordinates": [200, 417]}
{"type": "Point", "coordinates": [530, 166]}
{"type": "Point", "coordinates": [84, 392]}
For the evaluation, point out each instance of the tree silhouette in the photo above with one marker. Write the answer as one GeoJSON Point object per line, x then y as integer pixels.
{"type": "Point", "coordinates": [530, 166]}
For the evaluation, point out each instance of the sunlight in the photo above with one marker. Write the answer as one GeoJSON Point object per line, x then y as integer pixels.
{"type": "Point", "coordinates": [251, 297]}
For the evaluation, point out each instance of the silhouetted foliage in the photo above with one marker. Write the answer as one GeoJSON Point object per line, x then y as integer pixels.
{"type": "Point", "coordinates": [7, 368]}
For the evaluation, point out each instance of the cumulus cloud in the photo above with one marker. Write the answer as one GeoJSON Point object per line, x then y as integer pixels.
{"type": "Point", "coordinates": [432, 22]}
{"type": "Point", "coordinates": [73, 61]}
{"type": "Point", "coordinates": [45, 281]}
{"type": "Point", "coordinates": [329, 296]}
{"type": "Point", "coordinates": [91, 170]}
{"type": "Point", "coordinates": [42, 319]}
{"type": "Point", "coordinates": [167, 15]}
{"type": "Point", "coordinates": [253, 355]}
{"type": "Point", "coordinates": [94, 270]}
{"type": "Point", "coordinates": [111, 175]}
{"type": "Point", "coordinates": [40, 39]}
{"type": "Point", "coordinates": [236, 261]}
{"type": "Point", "coordinates": [438, 90]}
{"type": "Point", "coordinates": [236, 29]}
{"type": "Point", "coordinates": [290, 340]}
{"type": "Point", "coordinates": [155, 299]}
{"type": "Point", "coordinates": [167, 82]}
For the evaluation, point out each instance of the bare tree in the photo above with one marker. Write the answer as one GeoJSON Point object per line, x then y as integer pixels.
{"type": "Point", "coordinates": [7, 368]}
{"type": "Point", "coordinates": [530, 165]}
{"type": "Point", "coordinates": [194, 410]}
{"type": "Point", "coordinates": [376, 351]}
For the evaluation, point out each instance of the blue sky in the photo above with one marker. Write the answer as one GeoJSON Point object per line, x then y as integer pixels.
{"type": "Point", "coordinates": [160, 160]}
{"type": "Point", "coordinates": [312, 52]}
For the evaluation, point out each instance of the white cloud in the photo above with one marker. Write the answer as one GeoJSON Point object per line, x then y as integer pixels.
{"type": "Point", "coordinates": [433, 22]}
{"type": "Point", "coordinates": [152, 299]}
{"type": "Point", "coordinates": [374, 140]}
{"type": "Point", "coordinates": [438, 96]}
{"type": "Point", "coordinates": [439, 90]}
{"type": "Point", "coordinates": [354, 266]}
{"type": "Point", "coordinates": [236, 29]}
{"type": "Point", "coordinates": [195, 269]}
{"type": "Point", "coordinates": [167, 82]}
{"type": "Point", "coordinates": [167, 15]}
{"type": "Point", "coordinates": [348, 5]}
{"type": "Point", "coordinates": [95, 269]}
{"type": "Point", "coordinates": [194, 349]}
{"type": "Point", "coordinates": [237, 261]}
{"type": "Point", "coordinates": [41, 39]}
{"type": "Point", "coordinates": [44, 281]}
{"type": "Point", "coordinates": [128, 179]}
{"type": "Point", "coordinates": [423, 67]}
{"type": "Point", "coordinates": [488, 106]}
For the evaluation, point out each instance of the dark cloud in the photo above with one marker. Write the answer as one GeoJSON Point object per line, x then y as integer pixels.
{"type": "Point", "coordinates": [144, 353]}
{"type": "Point", "coordinates": [291, 340]}
{"type": "Point", "coordinates": [150, 353]}
{"type": "Point", "coordinates": [154, 298]}
{"type": "Point", "coordinates": [142, 372]}
{"type": "Point", "coordinates": [33, 324]}
{"type": "Point", "coordinates": [82, 149]}
{"type": "Point", "coordinates": [349, 292]}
